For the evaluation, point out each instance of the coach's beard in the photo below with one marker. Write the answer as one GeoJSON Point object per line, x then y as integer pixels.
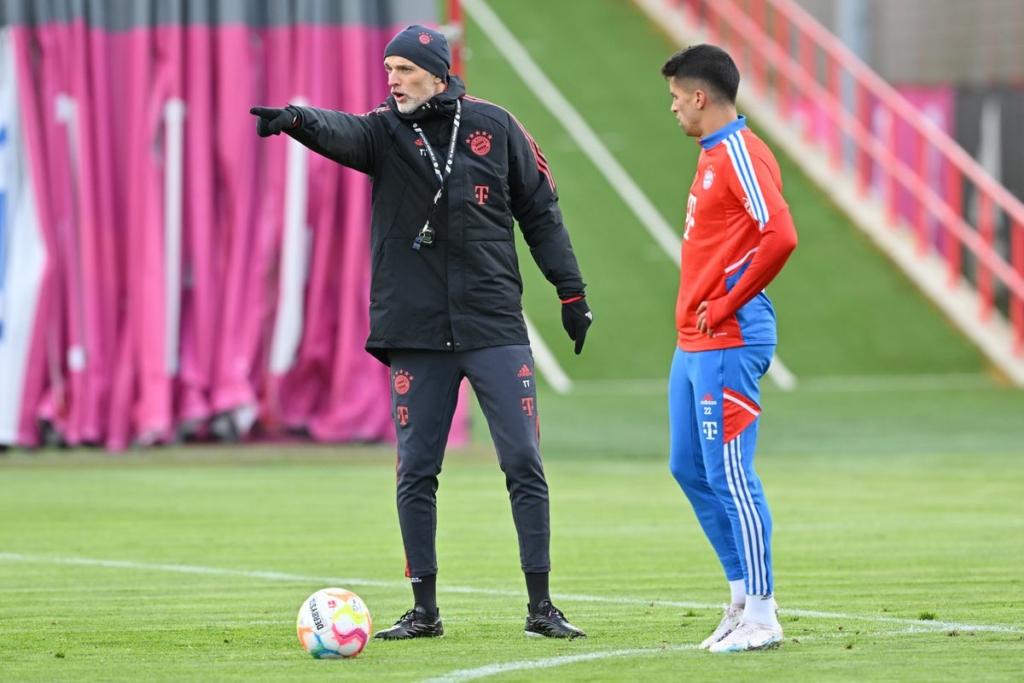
{"type": "Point", "coordinates": [410, 105]}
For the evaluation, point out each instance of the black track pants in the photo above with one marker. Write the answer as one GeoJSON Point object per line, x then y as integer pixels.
{"type": "Point", "coordinates": [424, 393]}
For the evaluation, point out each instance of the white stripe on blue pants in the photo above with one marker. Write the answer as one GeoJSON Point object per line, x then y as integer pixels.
{"type": "Point", "coordinates": [718, 476]}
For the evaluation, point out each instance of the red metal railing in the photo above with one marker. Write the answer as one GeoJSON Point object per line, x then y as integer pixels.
{"type": "Point", "coordinates": [800, 66]}
{"type": "Point", "coordinates": [457, 30]}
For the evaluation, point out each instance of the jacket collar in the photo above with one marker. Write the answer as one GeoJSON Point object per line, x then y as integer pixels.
{"type": "Point", "coordinates": [709, 141]}
{"type": "Point", "coordinates": [442, 104]}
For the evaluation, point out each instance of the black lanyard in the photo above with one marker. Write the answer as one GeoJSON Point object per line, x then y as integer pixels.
{"type": "Point", "coordinates": [426, 234]}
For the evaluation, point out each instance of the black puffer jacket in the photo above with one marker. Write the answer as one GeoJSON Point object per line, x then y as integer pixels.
{"type": "Point", "coordinates": [464, 292]}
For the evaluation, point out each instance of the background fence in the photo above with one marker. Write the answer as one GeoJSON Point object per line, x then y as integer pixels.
{"type": "Point", "coordinates": [894, 152]}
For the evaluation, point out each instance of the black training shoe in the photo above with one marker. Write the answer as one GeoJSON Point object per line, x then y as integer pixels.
{"type": "Point", "coordinates": [414, 624]}
{"type": "Point", "coordinates": [547, 620]}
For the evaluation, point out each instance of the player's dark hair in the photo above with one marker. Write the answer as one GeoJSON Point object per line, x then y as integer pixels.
{"type": "Point", "coordinates": [707, 63]}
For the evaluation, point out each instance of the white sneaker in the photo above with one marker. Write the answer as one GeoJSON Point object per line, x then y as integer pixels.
{"type": "Point", "coordinates": [749, 636]}
{"type": "Point", "coordinates": [730, 620]}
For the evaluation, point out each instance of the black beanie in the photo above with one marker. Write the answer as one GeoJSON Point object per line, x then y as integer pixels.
{"type": "Point", "coordinates": [424, 47]}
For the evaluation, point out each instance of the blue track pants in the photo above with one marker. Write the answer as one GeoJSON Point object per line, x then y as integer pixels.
{"type": "Point", "coordinates": [714, 404]}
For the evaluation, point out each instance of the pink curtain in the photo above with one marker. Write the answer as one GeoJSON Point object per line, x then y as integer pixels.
{"type": "Point", "coordinates": [200, 282]}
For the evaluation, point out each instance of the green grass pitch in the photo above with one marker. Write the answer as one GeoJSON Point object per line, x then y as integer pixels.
{"type": "Point", "coordinates": [897, 553]}
{"type": "Point", "coordinates": [894, 471]}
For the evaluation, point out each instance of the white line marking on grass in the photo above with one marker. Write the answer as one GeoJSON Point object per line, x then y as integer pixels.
{"type": "Point", "coordinates": [622, 387]}
{"type": "Point", "coordinates": [189, 569]}
{"type": "Point", "coordinates": [824, 385]}
{"type": "Point", "coordinates": [575, 125]}
{"type": "Point", "coordinates": [590, 144]}
{"type": "Point", "coordinates": [782, 376]}
{"type": "Point", "coordinates": [495, 669]}
{"type": "Point", "coordinates": [939, 382]}
{"type": "Point", "coordinates": [915, 623]}
{"type": "Point", "coordinates": [468, 590]}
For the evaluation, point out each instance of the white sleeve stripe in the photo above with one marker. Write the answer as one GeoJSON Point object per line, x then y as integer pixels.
{"type": "Point", "coordinates": [748, 178]}
{"type": "Point", "coordinates": [741, 261]}
{"type": "Point", "coordinates": [744, 167]}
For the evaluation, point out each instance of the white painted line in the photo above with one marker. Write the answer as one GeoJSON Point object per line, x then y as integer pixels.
{"type": "Point", "coordinates": [496, 669]}
{"type": "Point", "coordinates": [622, 387]}
{"type": "Point", "coordinates": [590, 144]}
{"type": "Point", "coordinates": [190, 569]}
{"type": "Point", "coordinates": [928, 626]}
{"type": "Point", "coordinates": [575, 125]}
{"type": "Point", "coordinates": [857, 383]}
{"type": "Point", "coordinates": [826, 385]}
{"type": "Point", "coordinates": [782, 376]}
{"type": "Point", "coordinates": [546, 363]}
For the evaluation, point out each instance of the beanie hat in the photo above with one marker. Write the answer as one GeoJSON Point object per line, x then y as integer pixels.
{"type": "Point", "coordinates": [424, 47]}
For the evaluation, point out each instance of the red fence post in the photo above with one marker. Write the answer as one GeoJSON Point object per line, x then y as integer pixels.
{"type": "Point", "coordinates": [758, 71]}
{"type": "Point", "coordinates": [987, 231]}
{"type": "Point", "coordinates": [863, 108]}
{"type": "Point", "coordinates": [955, 199]}
{"type": "Point", "coordinates": [892, 186]}
{"type": "Point", "coordinates": [782, 84]}
{"type": "Point", "coordinates": [1016, 300]}
{"type": "Point", "coordinates": [458, 25]}
{"type": "Point", "coordinates": [921, 213]}
{"type": "Point", "coordinates": [713, 21]}
{"type": "Point", "coordinates": [834, 84]}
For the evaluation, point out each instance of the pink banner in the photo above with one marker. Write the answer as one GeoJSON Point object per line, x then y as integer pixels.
{"type": "Point", "coordinates": [936, 104]}
{"type": "Point", "coordinates": [163, 302]}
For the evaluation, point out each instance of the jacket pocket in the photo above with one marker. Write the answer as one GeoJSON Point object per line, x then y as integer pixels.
{"type": "Point", "coordinates": [492, 275]}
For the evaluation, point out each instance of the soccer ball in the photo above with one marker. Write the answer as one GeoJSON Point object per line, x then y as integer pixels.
{"type": "Point", "coordinates": [333, 623]}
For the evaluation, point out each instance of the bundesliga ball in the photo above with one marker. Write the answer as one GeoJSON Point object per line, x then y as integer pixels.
{"type": "Point", "coordinates": [333, 623]}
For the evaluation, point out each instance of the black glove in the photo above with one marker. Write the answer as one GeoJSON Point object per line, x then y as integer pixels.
{"type": "Point", "coordinates": [271, 120]}
{"type": "Point", "coordinates": [576, 318]}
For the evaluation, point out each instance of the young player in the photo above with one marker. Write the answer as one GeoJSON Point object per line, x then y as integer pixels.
{"type": "Point", "coordinates": [738, 235]}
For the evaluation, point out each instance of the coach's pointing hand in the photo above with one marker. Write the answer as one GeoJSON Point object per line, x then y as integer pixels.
{"type": "Point", "coordinates": [271, 120]}
{"type": "Point", "coordinates": [576, 318]}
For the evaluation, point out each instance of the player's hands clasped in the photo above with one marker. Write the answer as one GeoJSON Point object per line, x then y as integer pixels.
{"type": "Point", "coordinates": [271, 120]}
{"type": "Point", "coordinates": [576, 318]}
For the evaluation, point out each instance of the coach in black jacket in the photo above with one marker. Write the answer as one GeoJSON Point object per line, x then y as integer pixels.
{"type": "Point", "coordinates": [451, 176]}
